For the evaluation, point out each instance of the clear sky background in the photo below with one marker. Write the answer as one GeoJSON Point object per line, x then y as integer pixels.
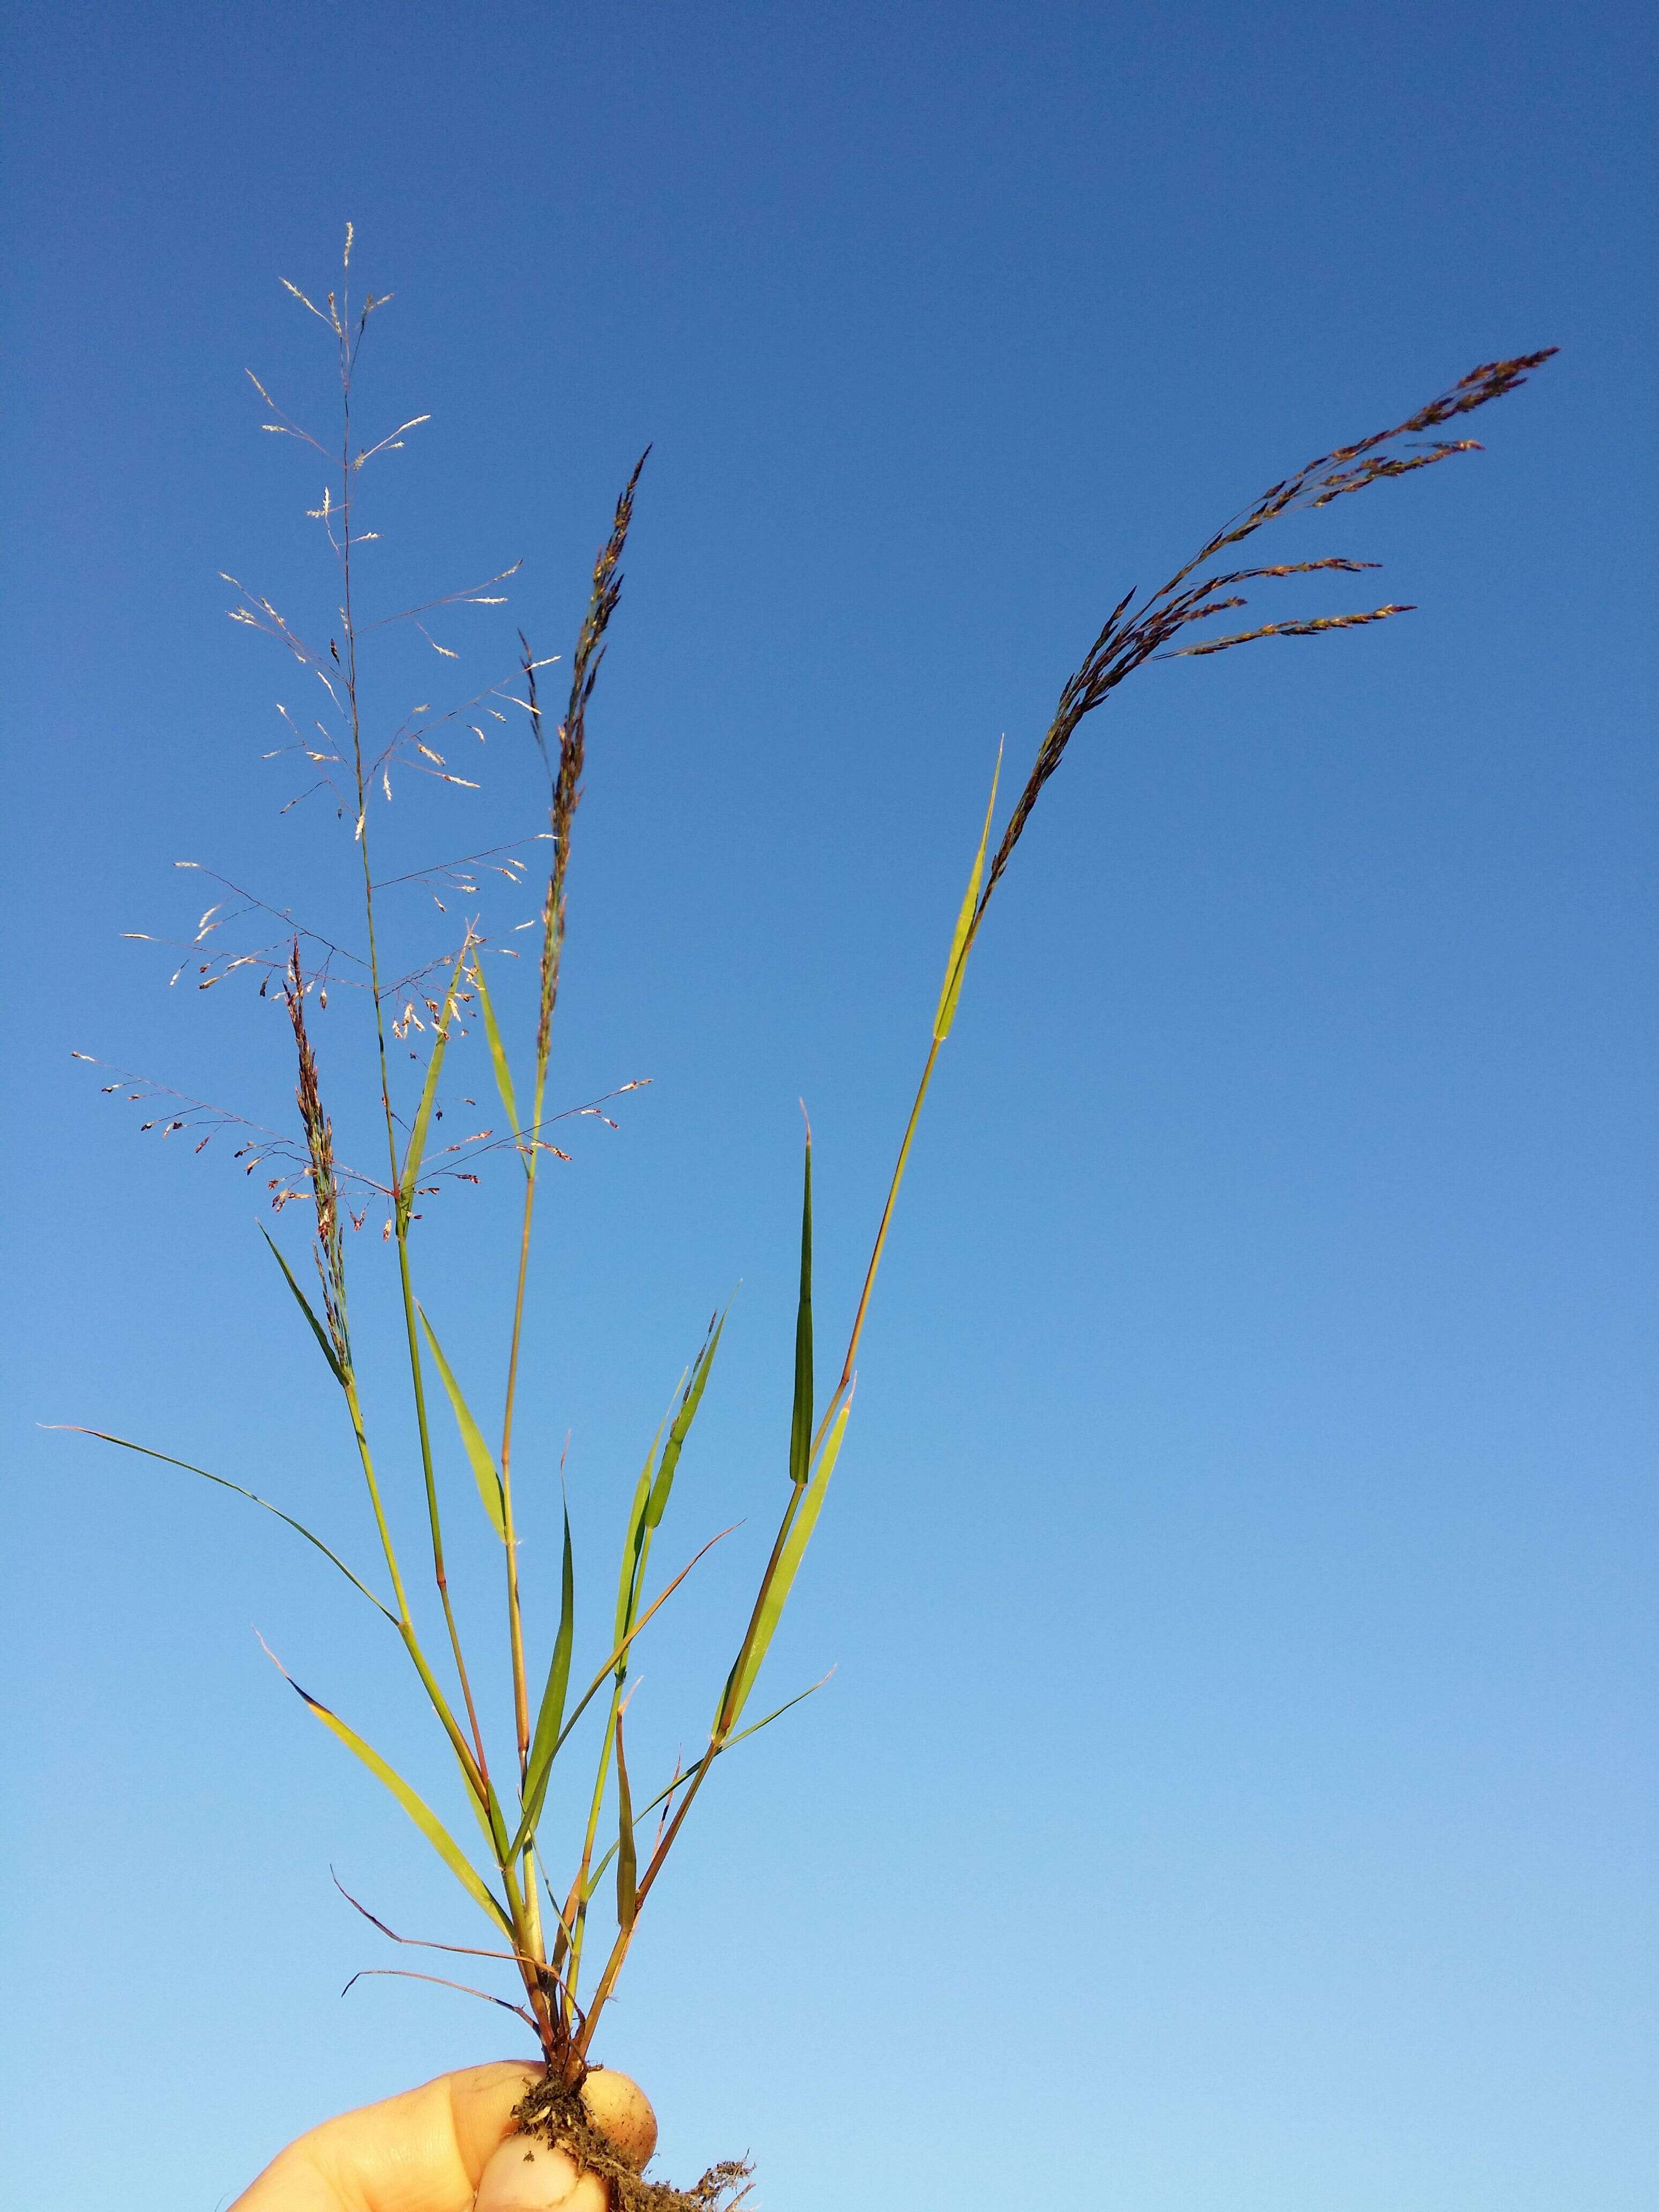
{"type": "Point", "coordinates": [1237, 1793]}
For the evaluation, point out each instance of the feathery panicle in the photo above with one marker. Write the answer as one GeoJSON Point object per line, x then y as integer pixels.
{"type": "Point", "coordinates": [1125, 643]}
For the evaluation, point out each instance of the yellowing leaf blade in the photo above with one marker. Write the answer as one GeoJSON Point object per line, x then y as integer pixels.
{"type": "Point", "coordinates": [789, 1559]}
{"type": "Point", "coordinates": [417, 1809]}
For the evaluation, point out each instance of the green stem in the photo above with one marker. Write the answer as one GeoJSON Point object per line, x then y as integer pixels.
{"type": "Point", "coordinates": [613, 1966]}
{"type": "Point", "coordinates": [833, 1407]}
{"type": "Point", "coordinates": [472, 1760]}
{"type": "Point", "coordinates": [477, 1780]}
{"type": "Point", "coordinates": [514, 1611]}
{"type": "Point", "coordinates": [552, 950]}
{"type": "Point", "coordinates": [527, 1943]}
{"type": "Point", "coordinates": [438, 1569]}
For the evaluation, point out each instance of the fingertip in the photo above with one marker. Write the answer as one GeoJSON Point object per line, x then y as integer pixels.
{"type": "Point", "coordinates": [481, 2102]}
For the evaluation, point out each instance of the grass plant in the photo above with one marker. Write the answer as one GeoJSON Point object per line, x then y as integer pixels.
{"type": "Point", "coordinates": [563, 1913]}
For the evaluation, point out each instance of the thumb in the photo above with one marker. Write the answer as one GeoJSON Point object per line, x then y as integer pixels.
{"type": "Point", "coordinates": [420, 2152]}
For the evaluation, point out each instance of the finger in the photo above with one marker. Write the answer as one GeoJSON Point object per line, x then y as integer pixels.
{"type": "Point", "coordinates": [420, 2152]}
{"type": "Point", "coordinates": [482, 2099]}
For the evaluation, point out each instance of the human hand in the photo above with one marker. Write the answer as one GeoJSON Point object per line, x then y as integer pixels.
{"type": "Point", "coordinates": [422, 2152]}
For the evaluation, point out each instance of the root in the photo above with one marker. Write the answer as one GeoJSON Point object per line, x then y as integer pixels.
{"type": "Point", "coordinates": [555, 2113]}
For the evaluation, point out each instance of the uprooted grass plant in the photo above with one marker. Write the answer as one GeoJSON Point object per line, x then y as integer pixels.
{"type": "Point", "coordinates": [564, 1912]}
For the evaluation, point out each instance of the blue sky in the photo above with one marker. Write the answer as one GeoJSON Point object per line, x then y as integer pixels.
{"type": "Point", "coordinates": [1236, 1791]}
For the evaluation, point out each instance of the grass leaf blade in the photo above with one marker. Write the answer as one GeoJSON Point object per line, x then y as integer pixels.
{"type": "Point", "coordinates": [633, 1549]}
{"type": "Point", "coordinates": [479, 1455]}
{"type": "Point", "coordinates": [963, 943]}
{"type": "Point", "coordinates": [550, 1718]}
{"type": "Point", "coordinates": [253, 1498]}
{"type": "Point", "coordinates": [317, 1328]}
{"type": "Point", "coordinates": [777, 1712]}
{"type": "Point", "coordinates": [789, 1559]}
{"type": "Point", "coordinates": [497, 1050]}
{"type": "Point", "coordinates": [416, 1151]}
{"type": "Point", "coordinates": [417, 1808]}
{"type": "Point", "coordinates": [657, 1503]}
{"type": "Point", "coordinates": [628, 1863]}
{"type": "Point", "coordinates": [606, 1671]}
{"type": "Point", "coordinates": [680, 1780]}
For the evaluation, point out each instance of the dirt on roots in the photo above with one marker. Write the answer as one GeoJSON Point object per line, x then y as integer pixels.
{"type": "Point", "coordinates": [556, 2115]}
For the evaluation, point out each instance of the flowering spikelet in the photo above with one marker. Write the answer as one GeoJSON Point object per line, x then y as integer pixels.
{"type": "Point", "coordinates": [567, 777]}
{"type": "Point", "coordinates": [329, 1251]}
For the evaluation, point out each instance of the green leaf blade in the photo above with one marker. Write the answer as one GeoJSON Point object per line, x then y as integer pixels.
{"type": "Point", "coordinates": [416, 1151]}
{"type": "Point", "coordinates": [657, 1503]}
{"type": "Point", "coordinates": [628, 1864]}
{"type": "Point", "coordinates": [497, 1050]}
{"type": "Point", "coordinates": [680, 1780]}
{"type": "Point", "coordinates": [550, 1716]}
{"type": "Point", "coordinates": [608, 1670]}
{"type": "Point", "coordinates": [480, 1458]}
{"type": "Point", "coordinates": [637, 1542]}
{"type": "Point", "coordinates": [253, 1497]}
{"type": "Point", "coordinates": [317, 1328]}
{"type": "Point", "coordinates": [961, 943]}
